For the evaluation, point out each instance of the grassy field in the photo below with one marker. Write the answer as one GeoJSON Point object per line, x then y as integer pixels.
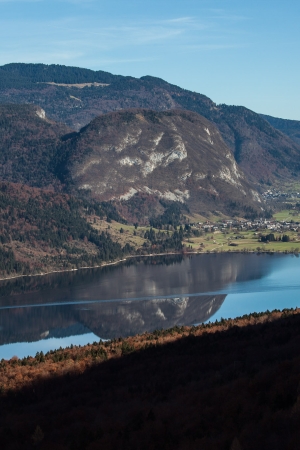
{"type": "Point", "coordinates": [287, 215]}
{"type": "Point", "coordinates": [130, 235]}
{"type": "Point", "coordinates": [243, 241]}
{"type": "Point", "coordinates": [208, 242]}
{"type": "Point", "coordinates": [209, 217]}
{"type": "Point", "coordinates": [127, 236]}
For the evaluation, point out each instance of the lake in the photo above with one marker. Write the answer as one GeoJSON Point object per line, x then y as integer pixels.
{"type": "Point", "coordinates": [41, 313]}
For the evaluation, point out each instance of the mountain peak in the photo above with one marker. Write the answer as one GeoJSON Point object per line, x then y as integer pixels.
{"type": "Point", "coordinates": [174, 155]}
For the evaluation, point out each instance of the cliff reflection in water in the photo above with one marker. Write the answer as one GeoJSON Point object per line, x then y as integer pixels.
{"type": "Point", "coordinates": [127, 318]}
{"type": "Point", "coordinates": [112, 301]}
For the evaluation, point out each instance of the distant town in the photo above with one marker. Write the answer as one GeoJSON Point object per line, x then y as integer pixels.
{"type": "Point", "coordinates": [248, 225]}
{"type": "Point", "coordinates": [276, 195]}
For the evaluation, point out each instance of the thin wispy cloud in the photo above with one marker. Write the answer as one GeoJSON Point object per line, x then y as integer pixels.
{"type": "Point", "coordinates": [39, 56]}
{"type": "Point", "coordinates": [222, 14]}
{"type": "Point", "coordinates": [208, 47]}
{"type": "Point", "coordinates": [179, 20]}
{"type": "Point", "coordinates": [108, 61]}
{"type": "Point", "coordinates": [82, 2]}
{"type": "Point", "coordinates": [20, 1]}
{"type": "Point", "coordinates": [113, 41]}
{"type": "Point", "coordinates": [122, 35]}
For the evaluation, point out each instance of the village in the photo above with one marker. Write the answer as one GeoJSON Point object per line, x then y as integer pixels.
{"type": "Point", "coordinates": [278, 234]}
{"type": "Point", "coordinates": [260, 225]}
{"type": "Point", "coordinates": [277, 194]}
{"type": "Point", "coordinates": [281, 233]}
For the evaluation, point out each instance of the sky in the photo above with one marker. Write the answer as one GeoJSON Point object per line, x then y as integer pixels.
{"type": "Point", "coordinates": [235, 52]}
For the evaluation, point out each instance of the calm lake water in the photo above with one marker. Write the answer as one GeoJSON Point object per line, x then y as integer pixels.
{"type": "Point", "coordinates": [57, 310]}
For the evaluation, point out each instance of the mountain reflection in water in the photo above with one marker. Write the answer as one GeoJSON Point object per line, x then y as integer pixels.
{"type": "Point", "coordinates": [127, 318]}
{"type": "Point", "coordinates": [105, 319]}
{"type": "Point", "coordinates": [140, 295]}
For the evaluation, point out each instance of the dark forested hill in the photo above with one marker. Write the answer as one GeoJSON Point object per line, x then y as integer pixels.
{"type": "Point", "coordinates": [41, 231]}
{"type": "Point", "coordinates": [230, 385]}
{"type": "Point", "coordinates": [28, 145]}
{"type": "Point", "coordinates": [264, 154]}
{"type": "Point", "coordinates": [42, 73]}
{"type": "Point", "coordinates": [289, 127]}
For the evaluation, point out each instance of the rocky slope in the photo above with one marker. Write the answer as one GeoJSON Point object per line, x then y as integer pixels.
{"type": "Point", "coordinates": [174, 155]}
{"type": "Point", "coordinates": [264, 154]}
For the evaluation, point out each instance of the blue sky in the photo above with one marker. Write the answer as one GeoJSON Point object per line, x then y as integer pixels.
{"type": "Point", "coordinates": [235, 52]}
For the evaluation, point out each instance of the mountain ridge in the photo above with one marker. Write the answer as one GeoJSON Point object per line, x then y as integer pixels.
{"type": "Point", "coordinates": [265, 154]}
{"type": "Point", "coordinates": [289, 127]}
{"type": "Point", "coordinates": [41, 153]}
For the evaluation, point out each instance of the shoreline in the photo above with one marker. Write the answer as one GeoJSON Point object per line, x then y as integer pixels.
{"type": "Point", "coordinates": [112, 263]}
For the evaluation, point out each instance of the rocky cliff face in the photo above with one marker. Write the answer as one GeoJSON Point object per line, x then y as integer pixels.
{"type": "Point", "coordinates": [175, 155]}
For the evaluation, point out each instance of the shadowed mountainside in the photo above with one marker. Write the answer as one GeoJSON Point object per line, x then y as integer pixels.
{"type": "Point", "coordinates": [230, 385]}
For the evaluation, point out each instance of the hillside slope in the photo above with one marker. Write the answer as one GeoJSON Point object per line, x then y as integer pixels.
{"type": "Point", "coordinates": [42, 231]}
{"type": "Point", "coordinates": [28, 146]}
{"type": "Point", "coordinates": [224, 386]}
{"type": "Point", "coordinates": [289, 127]}
{"type": "Point", "coordinates": [175, 155]}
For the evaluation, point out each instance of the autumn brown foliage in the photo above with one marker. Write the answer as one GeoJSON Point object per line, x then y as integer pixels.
{"type": "Point", "coordinates": [230, 385]}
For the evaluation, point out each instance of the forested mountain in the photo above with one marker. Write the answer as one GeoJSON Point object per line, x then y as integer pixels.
{"type": "Point", "coordinates": [175, 155]}
{"type": "Point", "coordinates": [74, 140]}
{"type": "Point", "coordinates": [289, 127]}
{"type": "Point", "coordinates": [42, 73]}
{"type": "Point", "coordinates": [53, 182]}
{"type": "Point", "coordinates": [264, 154]}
